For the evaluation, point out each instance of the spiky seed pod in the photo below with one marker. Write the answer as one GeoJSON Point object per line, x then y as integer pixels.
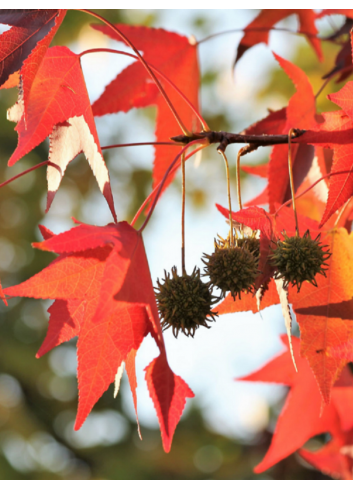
{"type": "Point", "coordinates": [184, 302]}
{"type": "Point", "coordinates": [232, 268]}
{"type": "Point", "coordinates": [299, 259]}
{"type": "Point", "coordinates": [251, 243]}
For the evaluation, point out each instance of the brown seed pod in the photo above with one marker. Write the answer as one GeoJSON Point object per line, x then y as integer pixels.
{"type": "Point", "coordinates": [233, 268]}
{"type": "Point", "coordinates": [184, 302]}
{"type": "Point", "coordinates": [299, 259]}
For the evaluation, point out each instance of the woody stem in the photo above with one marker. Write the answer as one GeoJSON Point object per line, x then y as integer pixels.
{"type": "Point", "coordinates": [231, 240]}
{"type": "Point", "coordinates": [291, 182]}
{"type": "Point", "coordinates": [183, 214]}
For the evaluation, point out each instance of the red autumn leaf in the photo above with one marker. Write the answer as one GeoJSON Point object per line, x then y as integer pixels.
{"type": "Point", "coordinates": [344, 98]}
{"type": "Point", "coordinates": [312, 203]}
{"type": "Point", "coordinates": [2, 295]}
{"type": "Point", "coordinates": [273, 123]}
{"type": "Point", "coordinates": [259, 170]}
{"type": "Point", "coordinates": [333, 459]}
{"type": "Point", "coordinates": [104, 294]}
{"type": "Point", "coordinates": [343, 62]}
{"type": "Point", "coordinates": [307, 418]}
{"type": "Point", "coordinates": [130, 365]}
{"type": "Point", "coordinates": [344, 351]}
{"type": "Point", "coordinates": [58, 106]}
{"type": "Point", "coordinates": [169, 393]}
{"type": "Point", "coordinates": [301, 108]}
{"type": "Point", "coordinates": [325, 313]}
{"type": "Point", "coordinates": [176, 57]}
{"type": "Point", "coordinates": [348, 12]}
{"type": "Point", "coordinates": [65, 316]}
{"type": "Point", "coordinates": [64, 323]}
{"type": "Point", "coordinates": [25, 44]}
{"type": "Point", "coordinates": [12, 81]}
{"type": "Point", "coordinates": [258, 30]}
{"type": "Point", "coordinates": [249, 302]}
{"type": "Point", "coordinates": [335, 132]}
{"type": "Point", "coordinates": [300, 113]}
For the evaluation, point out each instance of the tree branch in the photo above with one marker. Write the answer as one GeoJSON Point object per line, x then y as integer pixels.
{"type": "Point", "coordinates": [226, 138]}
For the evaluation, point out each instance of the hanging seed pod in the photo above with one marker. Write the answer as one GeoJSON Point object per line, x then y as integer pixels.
{"type": "Point", "coordinates": [185, 302]}
{"type": "Point", "coordinates": [299, 259]}
{"type": "Point", "coordinates": [251, 243]}
{"type": "Point", "coordinates": [233, 268]}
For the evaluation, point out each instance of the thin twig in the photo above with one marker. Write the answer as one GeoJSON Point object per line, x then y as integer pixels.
{"type": "Point", "coordinates": [226, 138]}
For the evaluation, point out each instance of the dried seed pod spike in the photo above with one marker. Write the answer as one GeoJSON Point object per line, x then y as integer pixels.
{"type": "Point", "coordinates": [299, 259]}
{"type": "Point", "coordinates": [232, 269]}
{"type": "Point", "coordinates": [185, 302]}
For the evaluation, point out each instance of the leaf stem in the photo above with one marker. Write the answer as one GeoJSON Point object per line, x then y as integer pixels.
{"type": "Point", "coordinates": [328, 79]}
{"type": "Point", "coordinates": [258, 29]}
{"type": "Point", "coordinates": [152, 143]}
{"type": "Point", "coordinates": [168, 80]}
{"type": "Point", "coordinates": [150, 212]}
{"type": "Point", "coordinates": [241, 152]}
{"type": "Point", "coordinates": [291, 180]}
{"type": "Point", "coordinates": [145, 64]}
{"type": "Point", "coordinates": [328, 175]}
{"type": "Point", "coordinates": [183, 214]}
{"type": "Point", "coordinates": [44, 163]}
{"type": "Point", "coordinates": [231, 238]}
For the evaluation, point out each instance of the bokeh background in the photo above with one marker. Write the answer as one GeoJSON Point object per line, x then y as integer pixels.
{"type": "Point", "coordinates": [226, 430]}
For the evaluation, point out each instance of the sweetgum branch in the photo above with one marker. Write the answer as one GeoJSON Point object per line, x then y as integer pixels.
{"type": "Point", "coordinates": [226, 138]}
